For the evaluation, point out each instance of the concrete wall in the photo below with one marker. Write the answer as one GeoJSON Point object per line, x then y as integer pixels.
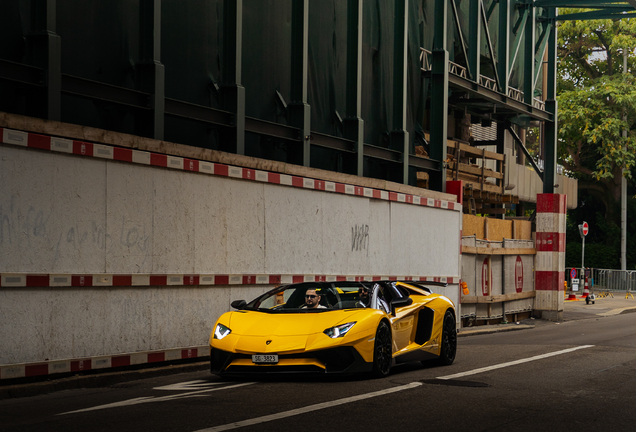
{"type": "Point", "coordinates": [61, 214]}
{"type": "Point", "coordinates": [38, 324]}
{"type": "Point", "coordinates": [66, 215]}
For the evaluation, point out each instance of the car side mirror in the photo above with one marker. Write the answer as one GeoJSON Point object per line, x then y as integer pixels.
{"type": "Point", "coordinates": [401, 302]}
{"type": "Point", "coordinates": [238, 304]}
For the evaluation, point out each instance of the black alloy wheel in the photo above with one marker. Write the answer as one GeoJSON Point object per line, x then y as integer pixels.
{"type": "Point", "coordinates": [382, 351]}
{"type": "Point", "coordinates": [449, 339]}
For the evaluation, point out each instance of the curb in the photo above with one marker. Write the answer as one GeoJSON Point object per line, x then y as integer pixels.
{"type": "Point", "coordinates": [472, 331]}
{"type": "Point", "coordinates": [618, 311]}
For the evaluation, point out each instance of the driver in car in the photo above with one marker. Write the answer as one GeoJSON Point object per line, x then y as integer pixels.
{"type": "Point", "coordinates": [363, 297]}
{"type": "Point", "coordinates": [312, 300]}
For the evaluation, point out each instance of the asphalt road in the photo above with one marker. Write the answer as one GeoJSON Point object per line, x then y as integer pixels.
{"type": "Point", "coordinates": [578, 375]}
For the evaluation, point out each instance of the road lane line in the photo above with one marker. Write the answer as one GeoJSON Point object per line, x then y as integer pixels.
{"type": "Point", "coordinates": [188, 385]}
{"type": "Point", "coordinates": [147, 399]}
{"type": "Point", "coordinates": [512, 363]}
{"type": "Point", "coordinates": [310, 408]}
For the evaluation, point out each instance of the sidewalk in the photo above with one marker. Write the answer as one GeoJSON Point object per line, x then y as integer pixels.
{"type": "Point", "coordinates": [573, 310]}
{"type": "Point", "coordinates": [602, 307]}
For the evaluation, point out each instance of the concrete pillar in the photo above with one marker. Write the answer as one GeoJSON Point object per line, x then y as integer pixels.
{"type": "Point", "coordinates": [550, 261]}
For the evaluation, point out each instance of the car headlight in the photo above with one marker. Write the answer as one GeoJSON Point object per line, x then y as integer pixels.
{"type": "Point", "coordinates": [339, 330]}
{"type": "Point", "coordinates": [221, 331]}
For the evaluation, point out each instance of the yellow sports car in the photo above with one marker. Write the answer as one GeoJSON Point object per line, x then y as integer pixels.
{"type": "Point", "coordinates": [335, 328]}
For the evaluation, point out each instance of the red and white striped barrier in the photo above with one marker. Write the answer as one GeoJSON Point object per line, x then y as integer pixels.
{"type": "Point", "coordinates": [85, 364]}
{"type": "Point", "coordinates": [18, 280]}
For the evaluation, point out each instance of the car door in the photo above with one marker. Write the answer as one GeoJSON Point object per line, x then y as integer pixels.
{"type": "Point", "coordinates": [402, 320]}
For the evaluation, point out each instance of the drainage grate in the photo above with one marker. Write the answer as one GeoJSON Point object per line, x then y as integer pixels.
{"type": "Point", "coordinates": [455, 383]}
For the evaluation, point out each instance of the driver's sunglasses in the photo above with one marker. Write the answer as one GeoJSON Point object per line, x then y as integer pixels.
{"type": "Point", "coordinates": [310, 296]}
{"type": "Point", "coordinates": [363, 290]}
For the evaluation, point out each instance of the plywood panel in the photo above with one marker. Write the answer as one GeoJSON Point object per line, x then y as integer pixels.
{"type": "Point", "coordinates": [473, 225]}
{"type": "Point", "coordinates": [499, 229]}
{"type": "Point", "coordinates": [522, 230]}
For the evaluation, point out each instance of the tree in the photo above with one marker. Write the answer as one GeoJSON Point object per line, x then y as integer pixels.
{"type": "Point", "coordinates": [593, 95]}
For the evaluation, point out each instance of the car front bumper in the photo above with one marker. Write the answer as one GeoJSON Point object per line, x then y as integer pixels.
{"type": "Point", "coordinates": [338, 360]}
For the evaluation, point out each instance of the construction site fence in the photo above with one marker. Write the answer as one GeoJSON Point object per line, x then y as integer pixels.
{"type": "Point", "coordinates": [604, 279]}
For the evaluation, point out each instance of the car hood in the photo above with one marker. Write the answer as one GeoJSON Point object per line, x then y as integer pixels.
{"type": "Point", "coordinates": [260, 332]}
{"type": "Point", "coordinates": [284, 324]}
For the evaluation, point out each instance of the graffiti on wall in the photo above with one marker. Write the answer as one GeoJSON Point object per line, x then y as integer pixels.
{"type": "Point", "coordinates": [37, 227]}
{"type": "Point", "coordinates": [360, 238]}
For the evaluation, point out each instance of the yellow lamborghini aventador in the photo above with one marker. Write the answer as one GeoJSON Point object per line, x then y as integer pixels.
{"type": "Point", "coordinates": [335, 327]}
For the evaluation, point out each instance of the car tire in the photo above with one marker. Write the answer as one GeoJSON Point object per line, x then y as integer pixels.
{"type": "Point", "coordinates": [382, 351]}
{"type": "Point", "coordinates": [449, 339]}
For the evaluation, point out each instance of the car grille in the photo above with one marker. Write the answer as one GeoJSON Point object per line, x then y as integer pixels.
{"type": "Point", "coordinates": [336, 360]}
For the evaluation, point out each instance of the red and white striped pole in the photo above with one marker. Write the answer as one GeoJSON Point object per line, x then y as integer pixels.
{"type": "Point", "coordinates": [550, 258]}
{"type": "Point", "coordinates": [586, 291]}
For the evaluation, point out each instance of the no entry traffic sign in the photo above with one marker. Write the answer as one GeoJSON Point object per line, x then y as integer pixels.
{"type": "Point", "coordinates": [519, 274]}
{"type": "Point", "coordinates": [586, 228]}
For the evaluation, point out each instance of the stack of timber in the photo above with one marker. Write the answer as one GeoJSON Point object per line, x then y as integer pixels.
{"type": "Point", "coordinates": [483, 188]}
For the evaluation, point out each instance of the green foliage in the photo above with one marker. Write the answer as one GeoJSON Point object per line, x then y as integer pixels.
{"type": "Point", "coordinates": [591, 127]}
{"type": "Point", "coordinates": [591, 49]}
{"type": "Point", "coordinates": [602, 244]}
{"type": "Point", "coordinates": [594, 95]}
{"type": "Point", "coordinates": [596, 256]}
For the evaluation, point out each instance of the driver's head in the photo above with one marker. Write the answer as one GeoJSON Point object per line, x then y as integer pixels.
{"type": "Point", "coordinates": [363, 293]}
{"type": "Point", "coordinates": [312, 299]}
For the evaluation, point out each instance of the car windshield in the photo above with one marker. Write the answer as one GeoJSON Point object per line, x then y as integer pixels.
{"type": "Point", "coordinates": [315, 297]}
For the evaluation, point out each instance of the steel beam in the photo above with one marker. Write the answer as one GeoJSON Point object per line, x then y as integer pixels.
{"type": "Point", "coordinates": [232, 91]}
{"type": "Point", "coordinates": [529, 55]}
{"type": "Point", "coordinates": [21, 73]}
{"type": "Point", "coordinates": [98, 91]}
{"type": "Point", "coordinates": [525, 152]}
{"type": "Point", "coordinates": [176, 108]}
{"type": "Point", "coordinates": [299, 110]}
{"type": "Point", "coordinates": [503, 46]}
{"type": "Point", "coordinates": [150, 70]}
{"type": "Point", "coordinates": [550, 156]}
{"type": "Point", "coordinates": [462, 43]}
{"type": "Point", "coordinates": [503, 102]}
{"type": "Point", "coordinates": [541, 46]}
{"type": "Point", "coordinates": [439, 97]}
{"type": "Point", "coordinates": [399, 135]}
{"type": "Point", "coordinates": [44, 50]}
{"type": "Point", "coordinates": [519, 30]}
{"type": "Point", "coordinates": [485, 17]}
{"type": "Point", "coordinates": [474, 39]}
{"type": "Point", "coordinates": [353, 125]}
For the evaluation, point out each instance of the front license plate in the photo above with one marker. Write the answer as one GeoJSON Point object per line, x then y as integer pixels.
{"type": "Point", "coordinates": [265, 358]}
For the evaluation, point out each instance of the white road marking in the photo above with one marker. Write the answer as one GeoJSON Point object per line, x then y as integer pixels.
{"type": "Point", "coordinates": [148, 399]}
{"type": "Point", "coordinates": [189, 385]}
{"type": "Point", "coordinates": [512, 363]}
{"type": "Point", "coordinates": [309, 408]}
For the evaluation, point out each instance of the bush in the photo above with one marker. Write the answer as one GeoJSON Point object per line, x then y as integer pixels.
{"type": "Point", "coordinates": [596, 256]}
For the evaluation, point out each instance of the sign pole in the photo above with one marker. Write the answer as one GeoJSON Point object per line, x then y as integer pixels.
{"type": "Point", "coordinates": [583, 255]}
{"type": "Point", "coordinates": [584, 228]}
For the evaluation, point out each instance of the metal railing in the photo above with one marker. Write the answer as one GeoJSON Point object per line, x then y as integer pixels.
{"type": "Point", "coordinates": [615, 280]}
{"type": "Point", "coordinates": [606, 279]}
